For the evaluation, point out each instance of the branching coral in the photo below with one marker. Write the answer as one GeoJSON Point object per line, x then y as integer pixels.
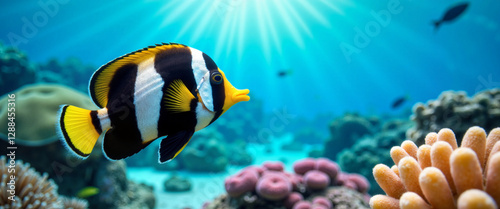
{"type": "Point", "coordinates": [440, 174]}
{"type": "Point", "coordinates": [74, 203]}
{"type": "Point", "coordinates": [31, 190]}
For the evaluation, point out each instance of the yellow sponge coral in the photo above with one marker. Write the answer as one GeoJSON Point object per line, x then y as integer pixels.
{"type": "Point", "coordinates": [439, 174]}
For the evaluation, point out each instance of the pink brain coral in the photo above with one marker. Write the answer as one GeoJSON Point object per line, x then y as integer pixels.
{"type": "Point", "coordinates": [302, 166]}
{"type": "Point", "coordinates": [274, 186]}
{"type": "Point", "coordinates": [361, 182]}
{"type": "Point", "coordinates": [293, 199]}
{"type": "Point", "coordinates": [273, 165]}
{"type": "Point", "coordinates": [316, 179]}
{"type": "Point", "coordinates": [327, 166]}
{"type": "Point", "coordinates": [241, 183]}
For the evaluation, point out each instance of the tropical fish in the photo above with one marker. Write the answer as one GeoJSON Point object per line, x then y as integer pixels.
{"type": "Point", "coordinates": [285, 72]}
{"type": "Point", "coordinates": [87, 192]}
{"type": "Point", "coordinates": [399, 101]}
{"type": "Point", "coordinates": [166, 91]}
{"type": "Point", "coordinates": [451, 14]}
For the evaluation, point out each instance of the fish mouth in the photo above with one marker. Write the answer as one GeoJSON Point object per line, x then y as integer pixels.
{"type": "Point", "coordinates": [240, 96]}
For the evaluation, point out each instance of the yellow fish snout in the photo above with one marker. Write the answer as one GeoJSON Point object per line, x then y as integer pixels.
{"type": "Point", "coordinates": [240, 96]}
{"type": "Point", "coordinates": [233, 95]}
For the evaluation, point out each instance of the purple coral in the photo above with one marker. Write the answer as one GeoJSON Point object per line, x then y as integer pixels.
{"type": "Point", "coordinates": [302, 166]}
{"type": "Point", "coordinates": [327, 166]}
{"type": "Point", "coordinates": [273, 165]}
{"type": "Point", "coordinates": [244, 182]}
{"type": "Point", "coordinates": [274, 186]}
{"type": "Point", "coordinates": [311, 179]}
{"type": "Point", "coordinates": [323, 201]}
{"type": "Point", "coordinates": [302, 205]}
{"type": "Point", "coordinates": [297, 180]}
{"type": "Point", "coordinates": [361, 182]}
{"type": "Point", "coordinates": [293, 199]}
{"type": "Point", "coordinates": [316, 180]}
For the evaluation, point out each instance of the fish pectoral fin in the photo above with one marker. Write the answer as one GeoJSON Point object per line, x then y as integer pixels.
{"type": "Point", "coordinates": [178, 98]}
{"type": "Point", "coordinates": [171, 146]}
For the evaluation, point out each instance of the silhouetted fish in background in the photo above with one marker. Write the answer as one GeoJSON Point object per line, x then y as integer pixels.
{"type": "Point", "coordinates": [399, 101]}
{"type": "Point", "coordinates": [451, 14]}
{"type": "Point", "coordinates": [284, 72]}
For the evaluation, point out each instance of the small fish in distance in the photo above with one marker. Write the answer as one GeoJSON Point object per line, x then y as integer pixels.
{"type": "Point", "coordinates": [164, 90]}
{"type": "Point", "coordinates": [399, 101]}
{"type": "Point", "coordinates": [87, 192]}
{"type": "Point", "coordinates": [452, 14]}
{"type": "Point", "coordinates": [284, 72]}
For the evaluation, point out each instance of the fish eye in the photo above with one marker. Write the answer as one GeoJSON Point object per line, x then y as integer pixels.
{"type": "Point", "coordinates": [216, 78]}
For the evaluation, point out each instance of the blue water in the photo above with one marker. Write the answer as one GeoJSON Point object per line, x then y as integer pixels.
{"type": "Point", "coordinates": [251, 41]}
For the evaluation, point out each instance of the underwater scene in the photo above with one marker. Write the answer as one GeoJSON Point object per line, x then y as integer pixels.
{"type": "Point", "coordinates": [236, 104]}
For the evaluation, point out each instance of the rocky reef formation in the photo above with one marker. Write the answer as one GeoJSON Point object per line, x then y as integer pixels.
{"type": "Point", "coordinates": [440, 174]}
{"type": "Point", "coordinates": [29, 189]}
{"type": "Point", "coordinates": [15, 69]}
{"type": "Point", "coordinates": [70, 72]}
{"type": "Point", "coordinates": [207, 151]}
{"type": "Point", "coordinates": [359, 143]}
{"type": "Point", "coordinates": [243, 122]}
{"type": "Point", "coordinates": [315, 183]}
{"type": "Point", "coordinates": [456, 111]}
{"type": "Point", "coordinates": [372, 150]}
{"type": "Point", "coordinates": [308, 136]}
{"type": "Point", "coordinates": [177, 184]}
{"type": "Point", "coordinates": [40, 146]}
{"type": "Point", "coordinates": [345, 131]}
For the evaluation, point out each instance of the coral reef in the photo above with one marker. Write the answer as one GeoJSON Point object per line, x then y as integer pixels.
{"type": "Point", "coordinates": [344, 132]}
{"type": "Point", "coordinates": [295, 146]}
{"type": "Point", "coordinates": [118, 192]}
{"type": "Point", "coordinates": [243, 157]}
{"type": "Point", "coordinates": [29, 189]}
{"type": "Point", "coordinates": [308, 136]}
{"type": "Point", "coordinates": [207, 146]}
{"type": "Point", "coordinates": [456, 111]}
{"type": "Point", "coordinates": [243, 122]}
{"type": "Point", "coordinates": [177, 184]}
{"type": "Point", "coordinates": [15, 69]}
{"type": "Point", "coordinates": [71, 72]}
{"type": "Point", "coordinates": [372, 150]}
{"type": "Point", "coordinates": [35, 124]}
{"type": "Point", "coordinates": [74, 203]}
{"type": "Point", "coordinates": [206, 152]}
{"type": "Point", "coordinates": [305, 135]}
{"type": "Point", "coordinates": [315, 183]}
{"type": "Point", "coordinates": [439, 174]}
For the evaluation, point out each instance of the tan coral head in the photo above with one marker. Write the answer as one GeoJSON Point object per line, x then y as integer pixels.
{"type": "Point", "coordinates": [441, 174]}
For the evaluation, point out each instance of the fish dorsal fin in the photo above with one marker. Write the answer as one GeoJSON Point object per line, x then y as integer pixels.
{"type": "Point", "coordinates": [100, 82]}
{"type": "Point", "coordinates": [178, 98]}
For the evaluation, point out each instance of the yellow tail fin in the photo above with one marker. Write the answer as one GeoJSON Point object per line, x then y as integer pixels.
{"type": "Point", "coordinates": [80, 129]}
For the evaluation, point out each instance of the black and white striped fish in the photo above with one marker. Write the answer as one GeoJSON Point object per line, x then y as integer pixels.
{"type": "Point", "coordinates": [164, 90]}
